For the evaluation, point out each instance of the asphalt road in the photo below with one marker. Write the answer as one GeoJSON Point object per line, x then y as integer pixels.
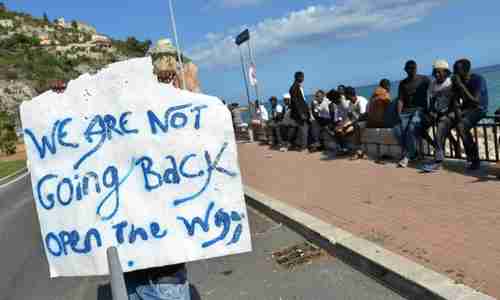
{"type": "Point", "coordinates": [24, 270]}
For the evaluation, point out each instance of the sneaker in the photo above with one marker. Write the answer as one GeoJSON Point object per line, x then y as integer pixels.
{"type": "Point", "coordinates": [403, 163]}
{"type": "Point", "coordinates": [432, 167]}
{"type": "Point", "coordinates": [297, 149]}
{"type": "Point", "coordinates": [359, 155]}
{"type": "Point", "coordinates": [474, 166]}
{"type": "Point", "coordinates": [283, 149]}
{"type": "Point", "coordinates": [329, 155]}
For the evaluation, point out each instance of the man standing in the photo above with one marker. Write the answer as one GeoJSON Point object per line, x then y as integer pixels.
{"type": "Point", "coordinates": [472, 90]}
{"type": "Point", "coordinates": [299, 111]}
{"type": "Point", "coordinates": [413, 94]}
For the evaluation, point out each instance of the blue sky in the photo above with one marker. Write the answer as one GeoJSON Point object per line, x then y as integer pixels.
{"type": "Point", "coordinates": [354, 42]}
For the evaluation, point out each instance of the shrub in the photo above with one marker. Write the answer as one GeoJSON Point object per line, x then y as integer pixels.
{"type": "Point", "coordinates": [8, 137]}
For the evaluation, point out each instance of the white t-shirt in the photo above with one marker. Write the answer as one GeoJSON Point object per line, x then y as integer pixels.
{"type": "Point", "coordinates": [343, 108]}
{"type": "Point", "coordinates": [262, 113]}
{"type": "Point", "coordinates": [360, 105]}
{"type": "Point", "coordinates": [277, 110]}
{"type": "Point", "coordinates": [324, 109]}
{"type": "Point", "coordinates": [441, 93]}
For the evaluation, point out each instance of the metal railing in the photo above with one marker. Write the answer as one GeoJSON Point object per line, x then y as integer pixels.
{"type": "Point", "coordinates": [485, 134]}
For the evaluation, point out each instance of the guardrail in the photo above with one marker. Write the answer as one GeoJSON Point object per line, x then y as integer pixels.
{"type": "Point", "coordinates": [486, 135]}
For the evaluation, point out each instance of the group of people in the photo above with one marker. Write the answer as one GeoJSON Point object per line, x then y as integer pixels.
{"type": "Point", "coordinates": [333, 122]}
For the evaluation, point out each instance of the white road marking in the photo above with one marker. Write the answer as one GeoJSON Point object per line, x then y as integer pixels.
{"type": "Point", "coordinates": [14, 181]}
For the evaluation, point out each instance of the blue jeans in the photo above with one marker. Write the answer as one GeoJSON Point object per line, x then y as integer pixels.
{"type": "Point", "coordinates": [161, 291]}
{"type": "Point", "coordinates": [172, 287]}
{"type": "Point", "coordinates": [407, 133]}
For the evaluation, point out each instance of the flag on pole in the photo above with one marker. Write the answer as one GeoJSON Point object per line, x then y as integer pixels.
{"type": "Point", "coordinates": [242, 37]}
{"type": "Point", "coordinates": [252, 74]}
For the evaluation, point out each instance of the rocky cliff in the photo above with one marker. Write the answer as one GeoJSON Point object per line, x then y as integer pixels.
{"type": "Point", "coordinates": [35, 51]}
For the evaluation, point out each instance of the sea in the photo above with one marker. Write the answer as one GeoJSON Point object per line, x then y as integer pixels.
{"type": "Point", "coordinates": [491, 74]}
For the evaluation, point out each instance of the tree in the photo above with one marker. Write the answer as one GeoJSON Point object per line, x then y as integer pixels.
{"type": "Point", "coordinates": [147, 45]}
{"type": "Point", "coordinates": [46, 18]}
{"type": "Point", "coordinates": [74, 25]}
{"type": "Point", "coordinates": [8, 137]}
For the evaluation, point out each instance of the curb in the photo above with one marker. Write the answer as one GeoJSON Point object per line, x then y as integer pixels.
{"type": "Point", "coordinates": [13, 176]}
{"type": "Point", "coordinates": [400, 273]}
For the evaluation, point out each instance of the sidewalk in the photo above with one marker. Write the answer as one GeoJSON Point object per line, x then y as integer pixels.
{"type": "Point", "coordinates": [448, 222]}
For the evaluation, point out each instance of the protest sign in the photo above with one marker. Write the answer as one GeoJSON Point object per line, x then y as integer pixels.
{"type": "Point", "coordinates": [122, 160]}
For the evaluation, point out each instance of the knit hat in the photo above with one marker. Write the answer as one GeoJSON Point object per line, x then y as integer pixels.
{"type": "Point", "coordinates": [441, 64]}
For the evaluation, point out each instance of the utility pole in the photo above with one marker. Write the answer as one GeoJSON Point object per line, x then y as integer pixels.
{"type": "Point", "coordinates": [177, 45]}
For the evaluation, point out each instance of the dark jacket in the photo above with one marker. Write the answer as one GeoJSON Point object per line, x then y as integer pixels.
{"type": "Point", "coordinates": [298, 105]}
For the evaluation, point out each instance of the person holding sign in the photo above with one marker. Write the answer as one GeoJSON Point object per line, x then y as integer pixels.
{"type": "Point", "coordinates": [122, 160]}
{"type": "Point", "coordinates": [169, 282]}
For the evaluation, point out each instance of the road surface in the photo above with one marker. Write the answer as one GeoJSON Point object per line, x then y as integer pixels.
{"type": "Point", "coordinates": [255, 275]}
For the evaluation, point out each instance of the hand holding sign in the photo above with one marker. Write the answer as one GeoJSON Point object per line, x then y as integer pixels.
{"type": "Point", "coordinates": [122, 160]}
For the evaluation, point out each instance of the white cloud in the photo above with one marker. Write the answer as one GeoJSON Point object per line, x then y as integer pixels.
{"type": "Point", "coordinates": [349, 19]}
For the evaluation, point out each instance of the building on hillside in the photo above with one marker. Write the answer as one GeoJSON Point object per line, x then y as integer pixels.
{"type": "Point", "coordinates": [86, 28]}
{"type": "Point", "coordinates": [6, 23]}
{"type": "Point", "coordinates": [100, 37]}
{"type": "Point", "coordinates": [60, 23]}
{"type": "Point", "coordinates": [48, 28]}
{"type": "Point", "coordinates": [44, 39]}
{"type": "Point", "coordinates": [103, 44]}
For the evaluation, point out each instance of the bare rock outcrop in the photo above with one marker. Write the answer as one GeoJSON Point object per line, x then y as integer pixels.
{"type": "Point", "coordinates": [12, 93]}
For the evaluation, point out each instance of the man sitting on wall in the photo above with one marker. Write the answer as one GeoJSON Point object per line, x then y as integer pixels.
{"type": "Point", "coordinates": [472, 90]}
{"type": "Point", "coordinates": [274, 125]}
{"type": "Point", "coordinates": [357, 116]}
{"type": "Point", "coordinates": [379, 102]}
{"type": "Point", "coordinates": [287, 125]}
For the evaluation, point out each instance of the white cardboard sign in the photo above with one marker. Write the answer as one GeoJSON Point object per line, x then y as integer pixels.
{"type": "Point", "coordinates": [122, 160]}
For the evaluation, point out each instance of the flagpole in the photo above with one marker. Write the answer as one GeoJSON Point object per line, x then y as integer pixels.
{"type": "Point", "coordinates": [255, 68]}
{"type": "Point", "coordinates": [177, 46]}
{"type": "Point", "coordinates": [246, 82]}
